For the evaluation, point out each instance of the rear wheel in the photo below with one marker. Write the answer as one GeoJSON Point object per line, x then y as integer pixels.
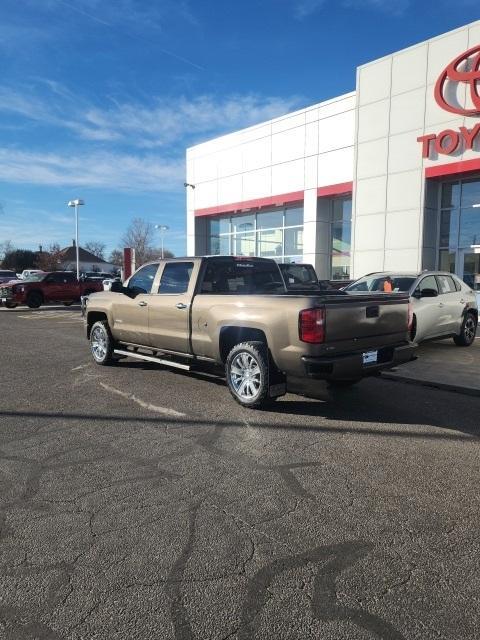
{"type": "Point", "coordinates": [10, 305]}
{"type": "Point", "coordinates": [467, 333]}
{"type": "Point", "coordinates": [247, 371]}
{"type": "Point", "coordinates": [101, 344]}
{"type": "Point", "coordinates": [68, 303]}
{"type": "Point", "coordinates": [34, 300]}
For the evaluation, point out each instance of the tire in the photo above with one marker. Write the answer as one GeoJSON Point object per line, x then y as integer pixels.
{"type": "Point", "coordinates": [247, 372]}
{"type": "Point", "coordinates": [466, 337]}
{"type": "Point", "coordinates": [34, 300]}
{"type": "Point", "coordinates": [343, 384]}
{"type": "Point", "coordinates": [101, 344]}
{"type": "Point", "coordinates": [10, 305]}
{"type": "Point", "coordinates": [69, 303]}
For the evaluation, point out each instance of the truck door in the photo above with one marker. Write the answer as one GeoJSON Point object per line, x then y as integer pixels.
{"type": "Point", "coordinates": [169, 307]}
{"type": "Point", "coordinates": [130, 309]}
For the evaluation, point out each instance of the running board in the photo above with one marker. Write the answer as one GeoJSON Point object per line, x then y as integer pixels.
{"type": "Point", "coordinates": [141, 356]}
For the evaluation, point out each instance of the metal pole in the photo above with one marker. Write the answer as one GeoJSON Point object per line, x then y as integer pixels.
{"type": "Point", "coordinates": [76, 241]}
{"type": "Point", "coordinates": [161, 236]}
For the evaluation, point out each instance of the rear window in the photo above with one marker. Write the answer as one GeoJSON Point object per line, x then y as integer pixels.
{"type": "Point", "coordinates": [299, 276]}
{"type": "Point", "coordinates": [242, 277]}
{"type": "Point", "coordinates": [8, 274]}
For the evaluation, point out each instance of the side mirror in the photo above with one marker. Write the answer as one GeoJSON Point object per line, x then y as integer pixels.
{"type": "Point", "coordinates": [428, 293]}
{"type": "Point", "coordinates": [117, 287]}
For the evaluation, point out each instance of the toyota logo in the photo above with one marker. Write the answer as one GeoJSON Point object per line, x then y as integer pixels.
{"type": "Point", "coordinates": [466, 69]}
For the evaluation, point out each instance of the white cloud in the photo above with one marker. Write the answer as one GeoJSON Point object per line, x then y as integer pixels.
{"type": "Point", "coordinates": [304, 8]}
{"type": "Point", "coordinates": [161, 122]}
{"type": "Point", "coordinates": [111, 171]}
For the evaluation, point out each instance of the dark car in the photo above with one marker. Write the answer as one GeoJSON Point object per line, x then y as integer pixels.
{"type": "Point", "coordinates": [6, 275]}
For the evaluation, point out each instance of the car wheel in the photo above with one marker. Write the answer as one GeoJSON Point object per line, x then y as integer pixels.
{"type": "Point", "coordinates": [68, 303]}
{"type": "Point", "coordinates": [467, 333]}
{"type": "Point", "coordinates": [342, 384]}
{"type": "Point", "coordinates": [10, 305]}
{"type": "Point", "coordinates": [101, 344]}
{"type": "Point", "coordinates": [34, 300]}
{"type": "Point", "coordinates": [247, 372]}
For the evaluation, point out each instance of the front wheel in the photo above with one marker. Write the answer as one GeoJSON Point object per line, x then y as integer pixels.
{"type": "Point", "coordinates": [467, 333]}
{"type": "Point", "coordinates": [68, 303]}
{"type": "Point", "coordinates": [34, 300]}
{"type": "Point", "coordinates": [247, 374]}
{"type": "Point", "coordinates": [101, 344]}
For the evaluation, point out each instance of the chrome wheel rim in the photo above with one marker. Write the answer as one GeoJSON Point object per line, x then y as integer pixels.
{"type": "Point", "coordinates": [245, 376]}
{"type": "Point", "coordinates": [470, 329]}
{"type": "Point", "coordinates": [99, 343]}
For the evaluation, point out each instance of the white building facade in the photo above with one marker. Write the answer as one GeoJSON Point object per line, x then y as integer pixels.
{"type": "Point", "coordinates": [383, 178]}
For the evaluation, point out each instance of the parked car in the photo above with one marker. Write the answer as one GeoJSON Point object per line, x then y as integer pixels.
{"type": "Point", "coordinates": [302, 277]}
{"type": "Point", "coordinates": [107, 283]}
{"type": "Point", "coordinates": [39, 288]}
{"type": "Point", "coordinates": [95, 275]}
{"type": "Point", "coordinates": [443, 305]}
{"type": "Point", "coordinates": [236, 312]}
{"type": "Point", "coordinates": [26, 273]}
{"type": "Point", "coordinates": [7, 276]}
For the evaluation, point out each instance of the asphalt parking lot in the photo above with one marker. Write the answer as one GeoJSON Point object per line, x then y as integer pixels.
{"type": "Point", "coordinates": [138, 502]}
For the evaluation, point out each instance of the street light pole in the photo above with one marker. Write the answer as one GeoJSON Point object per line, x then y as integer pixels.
{"type": "Point", "coordinates": [162, 228]}
{"type": "Point", "coordinates": [76, 203]}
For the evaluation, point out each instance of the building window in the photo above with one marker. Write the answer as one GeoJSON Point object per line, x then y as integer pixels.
{"type": "Point", "coordinates": [276, 233]}
{"type": "Point", "coordinates": [460, 229]}
{"type": "Point", "coordinates": [341, 232]}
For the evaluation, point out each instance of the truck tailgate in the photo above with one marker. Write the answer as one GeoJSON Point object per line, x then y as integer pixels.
{"type": "Point", "coordinates": [366, 316]}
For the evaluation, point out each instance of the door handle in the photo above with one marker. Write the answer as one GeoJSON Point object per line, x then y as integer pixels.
{"type": "Point", "coordinates": [462, 301]}
{"type": "Point", "coordinates": [440, 304]}
{"type": "Point", "coordinates": [142, 303]}
{"type": "Point", "coordinates": [181, 305]}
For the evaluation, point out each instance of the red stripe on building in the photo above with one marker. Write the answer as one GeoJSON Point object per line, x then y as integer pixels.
{"type": "Point", "coordinates": [258, 203]}
{"type": "Point", "coordinates": [452, 168]}
{"type": "Point", "coordinates": [339, 189]}
{"type": "Point", "coordinates": [274, 201]}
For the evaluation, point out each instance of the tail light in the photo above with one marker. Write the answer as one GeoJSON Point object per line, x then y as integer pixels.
{"type": "Point", "coordinates": [410, 317]}
{"type": "Point", "coordinates": [311, 325]}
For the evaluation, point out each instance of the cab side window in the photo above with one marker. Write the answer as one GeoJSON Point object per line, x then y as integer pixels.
{"type": "Point", "coordinates": [142, 280]}
{"type": "Point", "coordinates": [429, 282]}
{"type": "Point", "coordinates": [175, 277]}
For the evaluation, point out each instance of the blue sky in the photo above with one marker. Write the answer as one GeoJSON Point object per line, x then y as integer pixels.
{"type": "Point", "coordinates": [100, 98]}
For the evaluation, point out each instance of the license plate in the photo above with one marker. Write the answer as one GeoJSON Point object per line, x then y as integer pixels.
{"type": "Point", "coordinates": [370, 357]}
{"type": "Point", "coordinates": [4, 299]}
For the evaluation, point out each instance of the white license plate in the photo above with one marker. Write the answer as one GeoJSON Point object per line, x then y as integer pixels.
{"type": "Point", "coordinates": [370, 357]}
{"type": "Point", "coordinates": [4, 299]}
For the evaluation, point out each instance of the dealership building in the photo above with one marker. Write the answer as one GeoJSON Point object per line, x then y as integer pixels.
{"type": "Point", "coordinates": [386, 177]}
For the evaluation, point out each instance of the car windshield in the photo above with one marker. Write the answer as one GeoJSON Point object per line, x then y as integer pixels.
{"type": "Point", "coordinates": [377, 282]}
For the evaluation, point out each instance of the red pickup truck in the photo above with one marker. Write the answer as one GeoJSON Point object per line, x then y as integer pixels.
{"type": "Point", "coordinates": [39, 288]}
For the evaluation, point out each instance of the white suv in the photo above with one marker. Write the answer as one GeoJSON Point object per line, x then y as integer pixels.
{"type": "Point", "coordinates": [443, 305]}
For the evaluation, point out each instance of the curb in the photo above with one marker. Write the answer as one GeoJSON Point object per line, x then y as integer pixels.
{"type": "Point", "coordinates": [444, 386]}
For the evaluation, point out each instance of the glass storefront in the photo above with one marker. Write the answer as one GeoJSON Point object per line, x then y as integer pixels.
{"type": "Point", "coordinates": [276, 234]}
{"type": "Point", "coordinates": [341, 234]}
{"type": "Point", "coordinates": [460, 229]}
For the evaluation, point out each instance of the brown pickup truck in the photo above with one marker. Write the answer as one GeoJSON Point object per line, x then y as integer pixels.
{"type": "Point", "coordinates": [236, 312]}
{"type": "Point", "coordinates": [39, 288]}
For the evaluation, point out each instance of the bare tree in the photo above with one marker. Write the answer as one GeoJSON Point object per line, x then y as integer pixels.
{"type": "Point", "coordinates": [140, 236]}
{"type": "Point", "coordinates": [97, 248]}
{"type": "Point", "coordinates": [116, 258]}
{"type": "Point", "coordinates": [6, 247]}
{"type": "Point", "coordinates": [49, 260]}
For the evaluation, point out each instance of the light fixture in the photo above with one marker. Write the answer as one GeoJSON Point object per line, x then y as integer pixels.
{"type": "Point", "coordinates": [76, 203]}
